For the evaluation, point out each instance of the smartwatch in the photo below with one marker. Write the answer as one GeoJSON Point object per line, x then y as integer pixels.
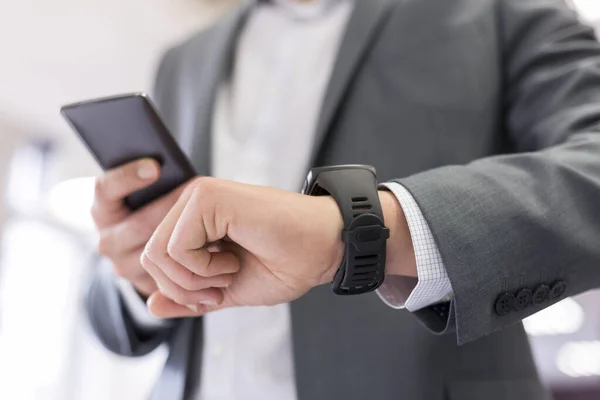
{"type": "Point", "coordinates": [354, 188]}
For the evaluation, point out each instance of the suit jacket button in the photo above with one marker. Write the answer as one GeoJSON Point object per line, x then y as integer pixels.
{"type": "Point", "coordinates": [523, 299]}
{"type": "Point", "coordinates": [541, 294]}
{"type": "Point", "coordinates": [505, 303]}
{"type": "Point", "coordinates": [558, 289]}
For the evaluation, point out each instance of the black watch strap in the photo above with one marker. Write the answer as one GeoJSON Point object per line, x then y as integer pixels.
{"type": "Point", "coordinates": [354, 188]}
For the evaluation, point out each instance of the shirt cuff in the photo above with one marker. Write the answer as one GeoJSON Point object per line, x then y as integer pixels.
{"type": "Point", "coordinates": [138, 310]}
{"type": "Point", "coordinates": [433, 285]}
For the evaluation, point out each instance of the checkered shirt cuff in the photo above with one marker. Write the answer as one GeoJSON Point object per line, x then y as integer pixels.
{"type": "Point", "coordinates": [433, 285]}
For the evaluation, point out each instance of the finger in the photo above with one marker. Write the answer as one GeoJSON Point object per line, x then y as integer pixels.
{"type": "Point", "coordinates": [221, 265]}
{"type": "Point", "coordinates": [162, 307]}
{"type": "Point", "coordinates": [157, 247]}
{"type": "Point", "coordinates": [200, 263]}
{"type": "Point", "coordinates": [191, 238]}
{"type": "Point", "coordinates": [210, 296]}
{"type": "Point", "coordinates": [118, 183]}
{"type": "Point", "coordinates": [136, 229]}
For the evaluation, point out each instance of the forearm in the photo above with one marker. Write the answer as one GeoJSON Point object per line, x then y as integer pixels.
{"type": "Point", "coordinates": [509, 223]}
{"type": "Point", "coordinates": [400, 254]}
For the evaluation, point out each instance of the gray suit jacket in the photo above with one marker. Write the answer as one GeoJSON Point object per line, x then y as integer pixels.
{"type": "Point", "coordinates": [490, 110]}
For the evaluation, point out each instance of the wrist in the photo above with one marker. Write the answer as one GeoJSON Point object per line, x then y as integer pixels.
{"type": "Point", "coordinates": [400, 252]}
{"type": "Point", "coordinates": [338, 246]}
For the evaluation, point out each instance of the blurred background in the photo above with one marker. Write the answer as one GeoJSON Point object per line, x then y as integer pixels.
{"type": "Point", "coordinates": [61, 51]}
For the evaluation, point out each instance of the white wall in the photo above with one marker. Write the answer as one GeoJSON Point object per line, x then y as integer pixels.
{"type": "Point", "coordinates": [63, 50]}
{"type": "Point", "coordinates": [8, 140]}
{"type": "Point", "coordinates": [53, 52]}
{"type": "Point", "coordinates": [590, 9]}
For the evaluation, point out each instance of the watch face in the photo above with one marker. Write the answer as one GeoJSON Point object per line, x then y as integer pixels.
{"type": "Point", "coordinates": [318, 170]}
{"type": "Point", "coordinates": [314, 174]}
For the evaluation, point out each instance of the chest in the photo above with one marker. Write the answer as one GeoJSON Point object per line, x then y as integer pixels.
{"type": "Point", "coordinates": [267, 108]}
{"type": "Point", "coordinates": [426, 94]}
{"type": "Point", "coordinates": [426, 91]}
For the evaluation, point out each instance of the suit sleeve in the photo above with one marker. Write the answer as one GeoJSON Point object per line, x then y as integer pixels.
{"type": "Point", "coordinates": [520, 232]}
{"type": "Point", "coordinates": [110, 315]}
{"type": "Point", "coordinates": [112, 321]}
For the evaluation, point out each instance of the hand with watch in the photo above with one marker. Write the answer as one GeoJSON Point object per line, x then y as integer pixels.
{"type": "Point", "coordinates": [273, 246]}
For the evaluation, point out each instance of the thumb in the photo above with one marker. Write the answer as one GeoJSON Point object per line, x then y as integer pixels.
{"type": "Point", "coordinates": [161, 306]}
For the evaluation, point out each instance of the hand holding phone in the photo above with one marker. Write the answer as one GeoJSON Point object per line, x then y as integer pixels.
{"type": "Point", "coordinates": [124, 233]}
{"type": "Point", "coordinates": [144, 170]}
{"type": "Point", "coordinates": [118, 130]}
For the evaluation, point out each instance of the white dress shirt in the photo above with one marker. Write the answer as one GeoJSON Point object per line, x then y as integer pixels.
{"type": "Point", "coordinates": [264, 127]}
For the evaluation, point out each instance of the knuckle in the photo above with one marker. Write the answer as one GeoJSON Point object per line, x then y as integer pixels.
{"type": "Point", "coordinates": [109, 186]}
{"type": "Point", "coordinates": [205, 186]}
{"type": "Point", "coordinates": [106, 188]}
{"type": "Point", "coordinates": [175, 252]}
{"type": "Point", "coordinates": [145, 260]}
{"type": "Point", "coordinates": [121, 172]}
{"type": "Point", "coordinates": [154, 254]}
{"type": "Point", "coordinates": [101, 189]}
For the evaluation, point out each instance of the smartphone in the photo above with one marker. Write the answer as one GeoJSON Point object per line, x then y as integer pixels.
{"type": "Point", "coordinates": [125, 128]}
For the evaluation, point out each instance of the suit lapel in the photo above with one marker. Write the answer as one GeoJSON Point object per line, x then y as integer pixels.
{"type": "Point", "coordinates": [361, 29]}
{"type": "Point", "coordinates": [208, 68]}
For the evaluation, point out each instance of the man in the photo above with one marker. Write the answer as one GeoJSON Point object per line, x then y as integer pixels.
{"type": "Point", "coordinates": [488, 109]}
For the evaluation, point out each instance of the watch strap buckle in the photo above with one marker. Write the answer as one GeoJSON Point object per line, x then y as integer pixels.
{"type": "Point", "coordinates": [365, 249]}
